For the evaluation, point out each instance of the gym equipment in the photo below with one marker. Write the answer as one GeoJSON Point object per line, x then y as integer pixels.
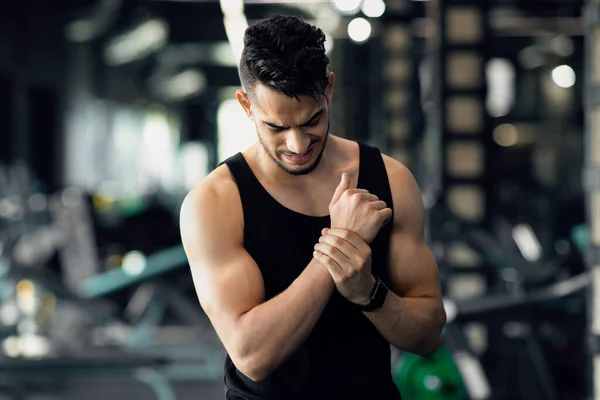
{"type": "Point", "coordinates": [27, 376]}
{"type": "Point", "coordinates": [112, 281]}
{"type": "Point", "coordinates": [433, 378]}
{"type": "Point", "coordinates": [507, 308]}
{"type": "Point", "coordinates": [488, 306]}
{"type": "Point", "coordinates": [493, 250]}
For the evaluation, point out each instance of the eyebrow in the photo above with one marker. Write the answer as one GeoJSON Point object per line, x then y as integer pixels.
{"type": "Point", "coordinates": [311, 120]}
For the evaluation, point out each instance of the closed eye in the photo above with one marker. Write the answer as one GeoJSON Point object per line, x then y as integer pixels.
{"type": "Point", "coordinates": [312, 124]}
{"type": "Point", "coordinates": [276, 130]}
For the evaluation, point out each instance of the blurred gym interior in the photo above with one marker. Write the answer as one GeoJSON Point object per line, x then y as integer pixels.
{"type": "Point", "coordinates": [112, 110]}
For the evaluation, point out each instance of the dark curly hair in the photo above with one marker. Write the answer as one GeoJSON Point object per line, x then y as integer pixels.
{"type": "Point", "coordinates": [286, 54]}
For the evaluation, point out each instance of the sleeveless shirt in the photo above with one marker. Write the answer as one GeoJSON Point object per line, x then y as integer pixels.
{"type": "Point", "coordinates": [344, 357]}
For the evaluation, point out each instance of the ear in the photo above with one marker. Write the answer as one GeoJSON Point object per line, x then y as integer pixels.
{"type": "Point", "coordinates": [329, 88]}
{"type": "Point", "coordinates": [244, 100]}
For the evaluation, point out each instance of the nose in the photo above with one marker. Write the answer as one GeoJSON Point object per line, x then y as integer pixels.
{"type": "Point", "coordinates": [297, 142]}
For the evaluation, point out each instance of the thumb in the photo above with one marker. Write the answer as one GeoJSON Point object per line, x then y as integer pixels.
{"type": "Point", "coordinates": [342, 187]}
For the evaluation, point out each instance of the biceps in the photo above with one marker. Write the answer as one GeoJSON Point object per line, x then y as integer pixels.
{"type": "Point", "coordinates": [413, 269]}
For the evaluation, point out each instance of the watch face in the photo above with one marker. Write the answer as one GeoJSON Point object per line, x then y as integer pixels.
{"type": "Point", "coordinates": [380, 294]}
{"type": "Point", "coordinates": [378, 297]}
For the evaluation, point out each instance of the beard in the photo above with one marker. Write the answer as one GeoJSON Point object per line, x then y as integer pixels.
{"type": "Point", "coordinates": [297, 172]}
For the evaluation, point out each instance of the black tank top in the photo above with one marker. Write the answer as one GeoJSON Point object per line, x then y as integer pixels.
{"type": "Point", "coordinates": [344, 357]}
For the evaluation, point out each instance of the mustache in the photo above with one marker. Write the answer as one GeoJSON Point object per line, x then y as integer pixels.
{"type": "Point", "coordinates": [310, 147]}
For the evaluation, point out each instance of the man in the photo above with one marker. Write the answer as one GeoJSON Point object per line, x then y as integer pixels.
{"type": "Point", "coordinates": [291, 261]}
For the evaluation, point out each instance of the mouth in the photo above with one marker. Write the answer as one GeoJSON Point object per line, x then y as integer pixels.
{"type": "Point", "coordinates": [300, 159]}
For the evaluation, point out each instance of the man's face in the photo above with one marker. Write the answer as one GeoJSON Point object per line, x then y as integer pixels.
{"type": "Point", "coordinates": [293, 133]}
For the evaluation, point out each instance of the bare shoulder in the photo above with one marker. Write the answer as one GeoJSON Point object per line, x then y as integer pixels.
{"type": "Point", "coordinates": [405, 190]}
{"type": "Point", "coordinates": [212, 207]}
{"type": "Point", "coordinates": [219, 184]}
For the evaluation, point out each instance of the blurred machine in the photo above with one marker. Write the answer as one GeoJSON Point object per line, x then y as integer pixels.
{"type": "Point", "coordinates": [60, 320]}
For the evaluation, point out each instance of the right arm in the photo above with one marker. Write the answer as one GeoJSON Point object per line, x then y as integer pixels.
{"type": "Point", "coordinates": [258, 335]}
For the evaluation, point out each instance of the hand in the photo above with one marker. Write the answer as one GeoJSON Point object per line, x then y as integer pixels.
{"type": "Point", "coordinates": [347, 257]}
{"type": "Point", "coordinates": [357, 210]}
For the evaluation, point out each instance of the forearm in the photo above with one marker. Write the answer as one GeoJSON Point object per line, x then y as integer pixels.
{"type": "Point", "coordinates": [275, 329]}
{"type": "Point", "coordinates": [411, 324]}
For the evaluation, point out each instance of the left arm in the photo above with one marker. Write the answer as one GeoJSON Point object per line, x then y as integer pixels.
{"type": "Point", "coordinates": [413, 316]}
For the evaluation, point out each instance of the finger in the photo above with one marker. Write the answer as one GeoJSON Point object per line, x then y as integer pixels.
{"type": "Point", "coordinates": [324, 231]}
{"type": "Point", "coordinates": [364, 196]}
{"type": "Point", "coordinates": [341, 188]}
{"type": "Point", "coordinates": [358, 191]}
{"type": "Point", "coordinates": [334, 253]}
{"type": "Point", "coordinates": [345, 247]}
{"type": "Point", "coordinates": [351, 237]}
{"type": "Point", "coordinates": [353, 182]}
{"type": "Point", "coordinates": [386, 215]}
{"type": "Point", "coordinates": [378, 205]}
{"type": "Point", "coordinates": [334, 269]}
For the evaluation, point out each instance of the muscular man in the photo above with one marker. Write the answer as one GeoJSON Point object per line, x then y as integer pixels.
{"type": "Point", "coordinates": [294, 243]}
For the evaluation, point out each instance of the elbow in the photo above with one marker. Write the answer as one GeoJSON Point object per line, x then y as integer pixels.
{"type": "Point", "coordinates": [252, 364]}
{"type": "Point", "coordinates": [429, 347]}
{"type": "Point", "coordinates": [433, 340]}
{"type": "Point", "coordinates": [251, 369]}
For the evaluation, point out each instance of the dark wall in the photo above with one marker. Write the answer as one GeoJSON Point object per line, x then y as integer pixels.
{"type": "Point", "coordinates": [32, 76]}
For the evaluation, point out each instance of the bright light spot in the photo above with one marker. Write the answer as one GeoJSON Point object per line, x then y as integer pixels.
{"type": "Point", "coordinates": [235, 25]}
{"type": "Point", "coordinates": [500, 75]}
{"type": "Point", "coordinates": [359, 30]}
{"type": "Point", "coordinates": [328, 19]}
{"type": "Point", "coordinates": [506, 135]}
{"type": "Point", "coordinates": [139, 43]}
{"type": "Point", "coordinates": [158, 151]}
{"type": "Point", "coordinates": [223, 54]}
{"type": "Point", "coordinates": [527, 242]}
{"type": "Point", "coordinates": [25, 289]}
{"type": "Point", "coordinates": [451, 309]}
{"type": "Point", "coordinates": [373, 8]}
{"type": "Point", "coordinates": [134, 263]}
{"type": "Point", "coordinates": [185, 84]}
{"type": "Point", "coordinates": [432, 382]}
{"type": "Point", "coordinates": [232, 7]}
{"type": "Point", "coordinates": [347, 6]}
{"type": "Point", "coordinates": [564, 76]}
{"type": "Point", "coordinates": [194, 159]}
{"type": "Point", "coordinates": [328, 43]}
{"type": "Point", "coordinates": [9, 313]}
{"type": "Point", "coordinates": [34, 346]}
{"type": "Point", "coordinates": [12, 346]}
{"type": "Point", "coordinates": [236, 131]}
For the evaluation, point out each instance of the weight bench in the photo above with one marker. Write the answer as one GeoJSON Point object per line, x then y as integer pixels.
{"type": "Point", "coordinates": [18, 376]}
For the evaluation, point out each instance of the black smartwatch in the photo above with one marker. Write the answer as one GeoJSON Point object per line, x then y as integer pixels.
{"type": "Point", "coordinates": [378, 295]}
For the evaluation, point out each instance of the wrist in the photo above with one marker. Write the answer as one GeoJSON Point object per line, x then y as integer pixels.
{"type": "Point", "coordinates": [365, 297]}
{"type": "Point", "coordinates": [377, 298]}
